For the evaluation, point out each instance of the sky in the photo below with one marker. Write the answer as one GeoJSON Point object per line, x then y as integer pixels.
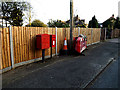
{"type": "Point", "coordinates": [45, 10]}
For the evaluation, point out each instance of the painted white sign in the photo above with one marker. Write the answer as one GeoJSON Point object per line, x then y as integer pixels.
{"type": "Point", "coordinates": [53, 42]}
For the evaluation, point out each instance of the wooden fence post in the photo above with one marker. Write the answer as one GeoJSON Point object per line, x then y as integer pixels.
{"type": "Point", "coordinates": [11, 47]}
{"type": "Point", "coordinates": [78, 31]}
{"type": "Point", "coordinates": [91, 36]}
{"type": "Point", "coordinates": [105, 33]}
{"type": "Point", "coordinates": [56, 40]}
{"type": "Point", "coordinates": [100, 33]}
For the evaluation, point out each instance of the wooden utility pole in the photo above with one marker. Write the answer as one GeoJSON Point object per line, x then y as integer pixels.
{"type": "Point", "coordinates": [71, 24]}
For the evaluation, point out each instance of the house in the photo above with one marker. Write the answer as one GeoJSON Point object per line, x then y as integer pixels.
{"type": "Point", "coordinates": [109, 23]}
{"type": "Point", "coordinates": [78, 22]}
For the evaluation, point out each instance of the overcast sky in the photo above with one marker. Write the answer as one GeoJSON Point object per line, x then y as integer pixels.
{"type": "Point", "coordinates": [86, 9]}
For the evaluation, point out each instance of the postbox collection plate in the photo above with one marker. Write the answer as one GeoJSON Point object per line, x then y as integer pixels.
{"type": "Point", "coordinates": [52, 40]}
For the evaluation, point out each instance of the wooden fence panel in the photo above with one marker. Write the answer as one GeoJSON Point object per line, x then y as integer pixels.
{"type": "Point", "coordinates": [53, 33]}
{"type": "Point", "coordinates": [88, 31]}
{"type": "Point", "coordinates": [58, 45]}
{"type": "Point", "coordinates": [98, 35]}
{"type": "Point", "coordinates": [1, 66]}
{"type": "Point", "coordinates": [24, 42]}
{"type": "Point", "coordinates": [75, 32]}
{"type": "Point", "coordinates": [6, 58]}
{"type": "Point", "coordinates": [60, 38]}
{"type": "Point", "coordinates": [8, 47]}
{"type": "Point", "coordinates": [82, 31]}
{"type": "Point", "coordinates": [102, 34]}
{"type": "Point", "coordinates": [117, 33]}
{"type": "Point", "coordinates": [68, 35]}
{"type": "Point", "coordinates": [38, 52]}
{"type": "Point", "coordinates": [94, 35]}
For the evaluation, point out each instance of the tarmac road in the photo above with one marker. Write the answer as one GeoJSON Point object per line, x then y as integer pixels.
{"type": "Point", "coordinates": [109, 77]}
{"type": "Point", "coordinates": [75, 71]}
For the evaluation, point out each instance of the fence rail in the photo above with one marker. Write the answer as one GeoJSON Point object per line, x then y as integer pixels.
{"type": "Point", "coordinates": [24, 43]}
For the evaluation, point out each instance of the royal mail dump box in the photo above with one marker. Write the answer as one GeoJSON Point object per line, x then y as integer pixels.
{"type": "Point", "coordinates": [43, 41]}
{"type": "Point", "coordinates": [80, 43]}
{"type": "Point", "coordinates": [52, 40]}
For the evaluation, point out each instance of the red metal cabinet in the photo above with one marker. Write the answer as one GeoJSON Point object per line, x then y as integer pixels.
{"type": "Point", "coordinates": [43, 41]}
{"type": "Point", "coordinates": [52, 40]}
{"type": "Point", "coordinates": [80, 44]}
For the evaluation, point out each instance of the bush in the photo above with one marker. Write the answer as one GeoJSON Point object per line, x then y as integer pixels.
{"type": "Point", "coordinates": [38, 23]}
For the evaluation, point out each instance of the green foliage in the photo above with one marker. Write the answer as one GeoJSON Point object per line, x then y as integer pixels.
{"type": "Point", "coordinates": [16, 17]}
{"type": "Point", "coordinates": [109, 23]}
{"type": "Point", "coordinates": [0, 25]}
{"type": "Point", "coordinates": [117, 23]}
{"type": "Point", "coordinates": [13, 12]}
{"type": "Point", "coordinates": [38, 23]}
{"type": "Point", "coordinates": [93, 23]}
{"type": "Point", "coordinates": [58, 23]}
{"type": "Point", "coordinates": [82, 26]}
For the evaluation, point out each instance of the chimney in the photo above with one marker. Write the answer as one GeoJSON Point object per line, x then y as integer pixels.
{"type": "Point", "coordinates": [113, 16]}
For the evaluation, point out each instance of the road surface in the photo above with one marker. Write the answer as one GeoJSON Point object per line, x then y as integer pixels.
{"type": "Point", "coordinates": [75, 71]}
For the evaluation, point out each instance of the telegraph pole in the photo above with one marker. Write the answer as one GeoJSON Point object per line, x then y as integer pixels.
{"type": "Point", "coordinates": [71, 24]}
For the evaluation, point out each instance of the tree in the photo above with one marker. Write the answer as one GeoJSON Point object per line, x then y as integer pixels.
{"type": "Point", "coordinates": [109, 23]}
{"type": "Point", "coordinates": [93, 23]}
{"type": "Point", "coordinates": [0, 26]}
{"type": "Point", "coordinates": [28, 14]}
{"type": "Point", "coordinates": [57, 23]}
{"type": "Point", "coordinates": [13, 12]}
{"type": "Point", "coordinates": [38, 23]}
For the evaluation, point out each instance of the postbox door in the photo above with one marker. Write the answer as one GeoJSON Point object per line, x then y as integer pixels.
{"type": "Point", "coordinates": [43, 41]}
{"type": "Point", "coordinates": [52, 40]}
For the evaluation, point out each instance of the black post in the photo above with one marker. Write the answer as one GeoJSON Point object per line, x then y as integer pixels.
{"type": "Point", "coordinates": [51, 45]}
{"type": "Point", "coordinates": [51, 51]}
{"type": "Point", "coordinates": [43, 55]}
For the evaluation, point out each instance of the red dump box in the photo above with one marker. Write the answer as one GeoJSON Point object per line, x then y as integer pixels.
{"type": "Point", "coordinates": [80, 43]}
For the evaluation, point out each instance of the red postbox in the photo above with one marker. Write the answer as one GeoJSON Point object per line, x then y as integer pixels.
{"type": "Point", "coordinates": [52, 40]}
{"type": "Point", "coordinates": [43, 41]}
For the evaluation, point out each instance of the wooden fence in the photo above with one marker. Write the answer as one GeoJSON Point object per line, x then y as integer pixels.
{"type": "Point", "coordinates": [24, 43]}
{"type": "Point", "coordinates": [115, 33]}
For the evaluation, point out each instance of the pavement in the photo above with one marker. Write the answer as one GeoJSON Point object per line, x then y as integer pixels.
{"type": "Point", "coordinates": [73, 71]}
